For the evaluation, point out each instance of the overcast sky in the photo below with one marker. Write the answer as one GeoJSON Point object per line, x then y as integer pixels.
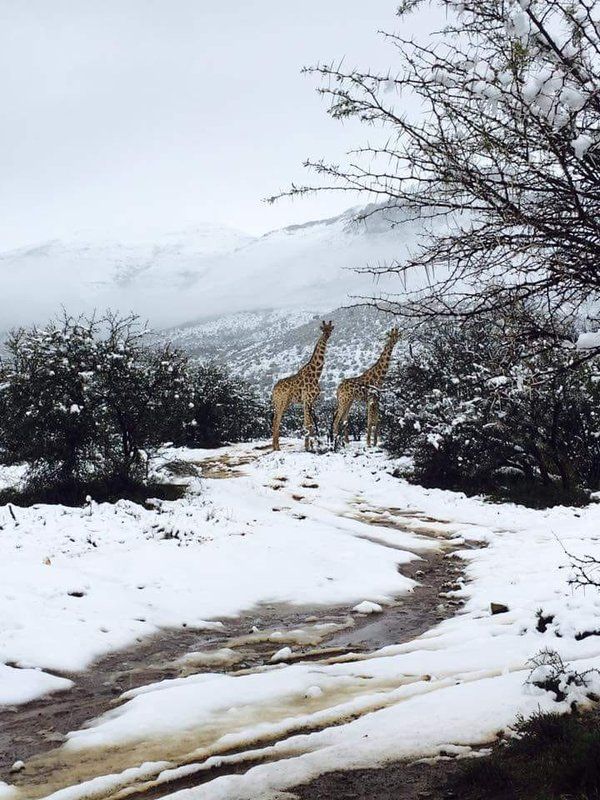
{"type": "Point", "coordinates": [156, 114]}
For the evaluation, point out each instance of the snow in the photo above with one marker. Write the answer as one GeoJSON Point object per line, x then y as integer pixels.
{"type": "Point", "coordinates": [572, 98]}
{"type": "Point", "coordinates": [453, 687]}
{"type": "Point", "coordinates": [582, 144]}
{"type": "Point", "coordinates": [368, 607]}
{"type": "Point", "coordinates": [588, 340]}
{"type": "Point", "coordinates": [22, 685]}
{"type": "Point", "coordinates": [76, 583]}
{"type": "Point", "coordinates": [282, 655]}
{"type": "Point", "coordinates": [173, 278]}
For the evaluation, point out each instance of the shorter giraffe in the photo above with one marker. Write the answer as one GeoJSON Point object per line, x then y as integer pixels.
{"type": "Point", "coordinates": [303, 387]}
{"type": "Point", "coordinates": [364, 387]}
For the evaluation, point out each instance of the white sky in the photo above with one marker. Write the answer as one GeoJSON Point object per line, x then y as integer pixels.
{"type": "Point", "coordinates": [156, 114]}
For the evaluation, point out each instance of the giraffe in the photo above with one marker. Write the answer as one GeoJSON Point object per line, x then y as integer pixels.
{"type": "Point", "coordinates": [364, 387]}
{"type": "Point", "coordinates": [302, 387]}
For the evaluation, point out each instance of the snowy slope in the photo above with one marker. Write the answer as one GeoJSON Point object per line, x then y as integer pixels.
{"type": "Point", "coordinates": [196, 274]}
{"type": "Point", "coordinates": [98, 271]}
{"type": "Point", "coordinates": [263, 346]}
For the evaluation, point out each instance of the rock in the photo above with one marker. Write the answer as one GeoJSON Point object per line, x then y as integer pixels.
{"type": "Point", "coordinates": [54, 736]}
{"type": "Point", "coordinates": [17, 766]}
{"type": "Point", "coordinates": [498, 608]}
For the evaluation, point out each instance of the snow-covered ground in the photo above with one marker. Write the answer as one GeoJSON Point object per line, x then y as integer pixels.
{"type": "Point", "coordinates": [77, 583]}
{"type": "Point", "coordinates": [291, 528]}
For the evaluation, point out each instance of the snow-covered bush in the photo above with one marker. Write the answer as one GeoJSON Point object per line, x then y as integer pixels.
{"type": "Point", "coordinates": [86, 401]}
{"type": "Point", "coordinates": [479, 411]}
{"type": "Point", "coordinates": [225, 410]}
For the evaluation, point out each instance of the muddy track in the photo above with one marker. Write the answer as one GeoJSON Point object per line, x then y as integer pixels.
{"type": "Point", "coordinates": [38, 727]}
{"type": "Point", "coordinates": [34, 732]}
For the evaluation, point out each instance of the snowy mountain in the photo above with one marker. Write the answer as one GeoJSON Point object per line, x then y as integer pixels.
{"type": "Point", "coordinates": [196, 274]}
{"type": "Point", "coordinates": [89, 272]}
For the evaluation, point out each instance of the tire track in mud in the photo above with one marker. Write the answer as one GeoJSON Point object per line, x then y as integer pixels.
{"type": "Point", "coordinates": [32, 732]}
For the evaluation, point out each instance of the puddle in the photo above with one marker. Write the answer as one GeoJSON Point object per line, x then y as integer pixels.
{"type": "Point", "coordinates": [226, 465]}
{"type": "Point", "coordinates": [324, 635]}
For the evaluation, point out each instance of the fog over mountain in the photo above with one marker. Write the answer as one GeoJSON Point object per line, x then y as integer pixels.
{"type": "Point", "coordinates": [201, 272]}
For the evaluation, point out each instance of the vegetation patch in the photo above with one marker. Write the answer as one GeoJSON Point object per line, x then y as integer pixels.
{"type": "Point", "coordinates": [87, 403]}
{"type": "Point", "coordinates": [100, 492]}
{"type": "Point", "coordinates": [552, 757]}
{"type": "Point", "coordinates": [478, 412]}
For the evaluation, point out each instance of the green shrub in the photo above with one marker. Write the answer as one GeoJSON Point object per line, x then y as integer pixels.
{"type": "Point", "coordinates": [225, 410]}
{"type": "Point", "coordinates": [86, 403]}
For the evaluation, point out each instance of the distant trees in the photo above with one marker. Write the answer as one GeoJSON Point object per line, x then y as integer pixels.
{"type": "Point", "coordinates": [492, 131]}
{"type": "Point", "coordinates": [478, 412]}
{"type": "Point", "coordinates": [86, 402]}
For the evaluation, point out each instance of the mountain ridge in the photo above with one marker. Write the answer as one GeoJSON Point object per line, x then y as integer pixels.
{"type": "Point", "coordinates": [204, 271]}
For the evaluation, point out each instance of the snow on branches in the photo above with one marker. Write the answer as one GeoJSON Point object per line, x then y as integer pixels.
{"type": "Point", "coordinates": [487, 131]}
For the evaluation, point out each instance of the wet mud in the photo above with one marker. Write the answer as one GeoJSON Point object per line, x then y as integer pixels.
{"type": "Point", "coordinates": [396, 781]}
{"type": "Point", "coordinates": [33, 732]}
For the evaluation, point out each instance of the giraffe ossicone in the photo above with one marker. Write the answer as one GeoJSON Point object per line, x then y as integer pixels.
{"type": "Point", "coordinates": [302, 387]}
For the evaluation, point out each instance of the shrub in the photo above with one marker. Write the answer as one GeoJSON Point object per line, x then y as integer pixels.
{"type": "Point", "coordinates": [225, 410]}
{"type": "Point", "coordinates": [479, 412]}
{"type": "Point", "coordinates": [552, 756]}
{"type": "Point", "coordinates": [86, 402]}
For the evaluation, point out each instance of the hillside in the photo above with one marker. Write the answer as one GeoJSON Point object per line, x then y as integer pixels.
{"type": "Point", "coordinates": [263, 346]}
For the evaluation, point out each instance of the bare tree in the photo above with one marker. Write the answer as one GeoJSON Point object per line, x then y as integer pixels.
{"type": "Point", "coordinates": [502, 162]}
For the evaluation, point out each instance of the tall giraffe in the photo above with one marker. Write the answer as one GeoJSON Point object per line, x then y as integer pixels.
{"type": "Point", "coordinates": [303, 387]}
{"type": "Point", "coordinates": [364, 387]}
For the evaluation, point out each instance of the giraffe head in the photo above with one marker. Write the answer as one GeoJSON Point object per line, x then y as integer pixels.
{"type": "Point", "coordinates": [393, 336]}
{"type": "Point", "coordinates": [326, 328]}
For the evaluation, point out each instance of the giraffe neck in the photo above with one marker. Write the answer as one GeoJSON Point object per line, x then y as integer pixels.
{"type": "Point", "coordinates": [315, 364]}
{"type": "Point", "coordinates": [376, 373]}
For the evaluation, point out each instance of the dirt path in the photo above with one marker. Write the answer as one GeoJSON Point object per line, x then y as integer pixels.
{"type": "Point", "coordinates": [34, 732]}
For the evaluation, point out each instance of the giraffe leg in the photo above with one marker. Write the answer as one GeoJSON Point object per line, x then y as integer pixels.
{"type": "Point", "coordinates": [336, 421]}
{"type": "Point", "coordinates": [372, 420]}
{"type": "Point", "coordinates": [340, 421]}
{"type": "Point", "coordinates": [280, 406]}
{"type": "Point", "coordinates": [315, 421]}
{"type": "Point", "coordinates": [277, 415]}
{"type": "Point", "coordinates": [345, 425]}
{"type": "Point", "coordinates": [376, 425]}
{"type": "Point", "coordinates": [309, 428]}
